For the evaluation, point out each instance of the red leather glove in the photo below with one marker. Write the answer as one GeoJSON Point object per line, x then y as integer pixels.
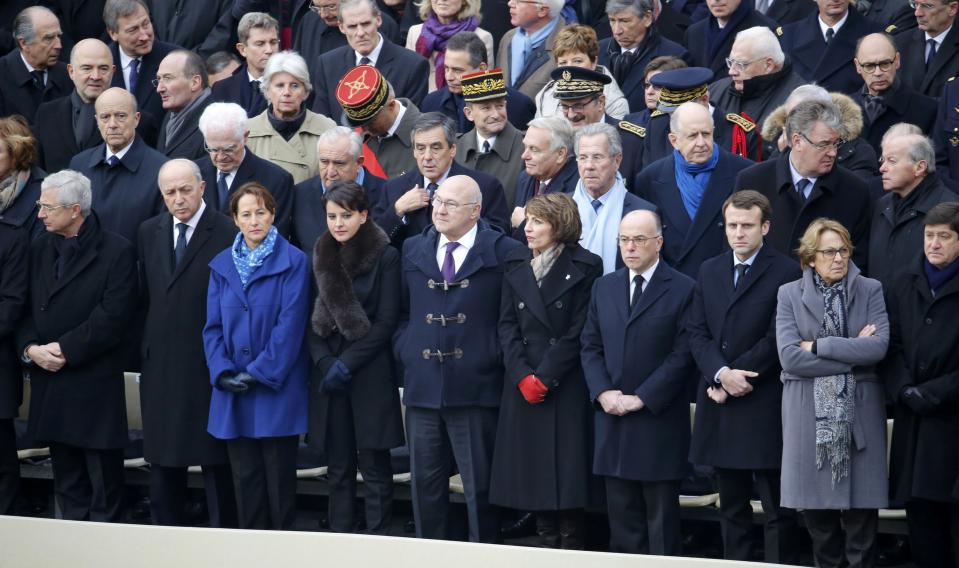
{"type": "Point", "coordinates": [533, 389]}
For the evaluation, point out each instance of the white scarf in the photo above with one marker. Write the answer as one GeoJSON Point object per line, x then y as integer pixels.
{"type": "Point", "coordinates": [601, 230]}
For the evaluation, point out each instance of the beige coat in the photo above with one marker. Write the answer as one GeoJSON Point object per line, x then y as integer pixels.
{"type": "Point", "coordinates": [545, 63]}
{"type": "Point", "coordinates": [298, 154]}
{"type": "Point", "coordinates": [414, 34]}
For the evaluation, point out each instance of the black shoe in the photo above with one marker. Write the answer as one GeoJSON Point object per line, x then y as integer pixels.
{"type": "Point", "coordinates": [522, 526]}
{"type": "Point", "coordinates": [894, 553]}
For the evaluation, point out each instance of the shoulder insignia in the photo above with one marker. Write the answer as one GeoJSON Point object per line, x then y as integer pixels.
{"type": "Point", "coordinates": [950, 79]}
{"type": "Point", "coordinates": [954, 141]}
{"type": "Point", "coordinates": [745, 123]}
{"type": "Point", "coordinates": [779, 31]}
{"type": "Point", "coordinates": [634, 128]}
{"type": "Point", "coordinates": [656, 112]}
{"type": "Point", "coordinates": [890, 28]}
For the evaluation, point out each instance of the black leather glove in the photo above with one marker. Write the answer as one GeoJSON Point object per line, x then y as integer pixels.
{"type": "Point", "coordinates": [231, 383]}
{"type": "Point", "coordinates": [247, 379]}
{"type": "Point", "coordinates": [920, 402]}
{"type": "Point", "coordinates": [337, 379]}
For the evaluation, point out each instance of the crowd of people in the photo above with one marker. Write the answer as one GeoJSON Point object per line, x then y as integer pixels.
{"type": "Point", "coordinates": [548, 235]}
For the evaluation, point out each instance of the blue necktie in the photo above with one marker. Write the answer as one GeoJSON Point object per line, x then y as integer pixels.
{"type": "Point", "coordinates": [222, 191]}
{"type": "Point", "coordinates": [180, 249]}
{"type": "Point", "coordinates": [112, 161]}
{"type": "Point", "coordinates": [801, 186]}
{"type": "Point", "coordinates": [931, 53]}
{"type": "Point", "coordinates": [596, 205]}
{"type": "Point", "coordinates": [134, 73]}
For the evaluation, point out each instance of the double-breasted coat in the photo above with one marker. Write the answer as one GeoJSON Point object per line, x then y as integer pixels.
{"type": "Point", "coordinates": [799, 315]}
{"type": "Point", "coordinates": [543, 452]}
{"type": "Point", "coordinates": [924, 463]}
{"type": "Point", "coordinates": [86, 310]}
{"type": "Point", "coordinates": [260, 330]}
{"type": "Point", "coordinates": [645, 352]}
{"type": "Point", "coordinates": [736, 328]}
{"type": "Point", "coordinates": [175, 382]}
{"type": "Point", "coordinates": [14, 248]}
{"type": "Point", "coordinates": [296, 155]}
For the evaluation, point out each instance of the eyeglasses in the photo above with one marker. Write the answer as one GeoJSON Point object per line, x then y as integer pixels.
{"type": "Point", "coordinates": [927, 7]}
{"type": "Point", "coordinates": [741, 65]}
{"type": "Point", "coordinates": [883, 65]}
{"type": "Point", "coordinates": [48, 208]}
{"type": "Point", "coordinates": [451, 206]}
{"type": "Point", "coordinates": [515, 2]}
{"type": "Point", "coordinates": [165, 80]}
{"type": "Point", "coordinates": [823, 146]}
{"type": "Point", "coordinates": [638, 241]}
{"type": "Point", "coordinates": [831, 252]}
{"type": "Point", "coordinates": [226, 150]}
{"type": "Point", "coordinates": [320, 8]}
{"type": "Point", "coordinates": [578, 107]}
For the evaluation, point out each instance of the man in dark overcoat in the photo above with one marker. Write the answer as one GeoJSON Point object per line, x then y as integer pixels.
{"type": "Point", "coordinates": [32, 73]}
{"type": "Point", "coordinates": [635, 354]}
{"type": "Point", "coordinates": [691, 212]}
{"type": "Point", "coordinates": [945, 133]}
{"type": "Point", "coordinates": [259, 38]}
{"type": "Point", "coordinates": [447, 343]}
{"type": "Point", "coordinates": [175, 249]}
{"type": "Point", "coordinates": [709, 40]}
{"type": "Point", "coordinates": [14, 245]}
{"type": "Point", "coordinates": [922, 380]}
{"type": "Point", "coordinates": [184, 89]}
{"type": "Point", "coordinates": [83, 291]}
{"type": "Point", "coordinates": [925, 68]}
{"type": "Point", "coordinates": [738, 427]}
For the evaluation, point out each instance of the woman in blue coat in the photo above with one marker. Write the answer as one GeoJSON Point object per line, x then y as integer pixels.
{"type": "Point", "coordinates": [257, 307]}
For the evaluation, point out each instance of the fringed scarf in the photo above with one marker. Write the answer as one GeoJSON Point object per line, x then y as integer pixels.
{"type": "Point", "coordinates": [433, 37]}
{"type": "Point", "coordinates": [542, 263]}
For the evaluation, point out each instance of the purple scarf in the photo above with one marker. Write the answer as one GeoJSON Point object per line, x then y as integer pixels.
{"type": "Point", "coordinates": [433, 37]}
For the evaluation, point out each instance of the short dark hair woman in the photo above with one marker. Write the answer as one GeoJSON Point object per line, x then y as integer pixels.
{"type": "Point", "coordinates": [355, 407]}
{"type": "Point", "coordinates": [542, 460]}
{"type": "Point", "coordinates": [257, 308]}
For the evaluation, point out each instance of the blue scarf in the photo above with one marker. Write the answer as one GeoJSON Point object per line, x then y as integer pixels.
{"type": "Point", "coordinates": [937, 277]}
{"type": "Point", "coordinates": [247, 260]}
{"type": "Point", "coordinates": [692, 179]}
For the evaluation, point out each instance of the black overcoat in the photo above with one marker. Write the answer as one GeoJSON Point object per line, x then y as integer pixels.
{"type": "Point", "coordinates": [309, 215]}
{"type": "Point", "coordinates": [944, 66]}
{"type": "Point", "coordinates": [543, 452]}
{"type": "Point", "coordinates": [737, 329]}
{"type": "Point", "coordinates": [902, 104]}
{"type": "Point", "coordinates": [18, 95]}
{"type": "Point", "coordinates": [148, 101]}
{"type": "Point", "coordinates": [237, 89]}
{"type": "Point", "coordinates": [14, 246]}
{"type": "Point", "coordinates": [23, 211]}
{"type": "Point", "coordinates": [87, 311]}
{"type": "Point", "coordinates": [695, 42]}
{"type": "Point", "coordinates": [188, 141]}
{"type": "Point", "coordinates": [175, 382]}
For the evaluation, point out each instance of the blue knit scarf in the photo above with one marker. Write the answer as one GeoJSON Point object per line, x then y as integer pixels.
{"type": "Point", "coordinates": [692, 179]}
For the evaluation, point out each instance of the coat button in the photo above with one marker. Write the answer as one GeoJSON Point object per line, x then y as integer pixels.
{"type": "Point", "coordinates": [559, 305]}
{"type": "Point", "coordinates": [521, 305]}
{"type": "Point", "coordinates": [524, 341]}
{"type": "Point", "coordinates": [928, 321]}
{"type": "Point", "coordinates": [43, 308]}
{"type": "Point", "coordinates": [246, 350]}
{"type": "Point", "coordinates": [552, 341]}
{"type": "Point", "coordinates": [724, 346]}
{"type": "Point", "coordinates": [245, 307]}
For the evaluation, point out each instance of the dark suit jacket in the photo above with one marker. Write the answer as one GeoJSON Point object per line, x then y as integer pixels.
{"type": "Point", "coordinates": [188, 141]}
{"type": "Point", "coordinates": [945, 133]}
{"type": "Point", "coordinates": [186, 23]}
{"type": "Point", "coordinates": [55, 135]}
{"type": "Point", "coordinates": [903, 104]}
{"type": "Point", "coordinates": [892, 13]}
{"type": "Point", "coordinates": [687, 243]}
{"type": "Point", "coordinates": [175, 382]}
{"type": "Point", "coordinates": [736, 328]}
{"type": "Point", "coordinates": [79, 19]}
{"type": "Point", "coordinates": [789, 11]}
{"type": "Point", "coordinates": [405, 70]}
{"type": "Point", "coordinates": [22, 213]}
{"type": "Point", "coordinates": [565, 181]}
{"type": "Point", "coordinates": [126, 195]}
{"type": "Point", "coordinates": [312, 37]}
{"type": "Point", "coordinates": [520, 109]}
{"type": "Point", "coordinates": [642, 352]}
{"type": "Point", "coordinates": [253, 168]}
{"type": "Point", "coordinates": [14, 285]}
{"type": "Point", "coordinates": [912, 53]}
{"type": "Point", "coordinates": [17, 93]}
{"type": "Point", "coordinates": [654, 45]}
{"type": "Point", "coordinates": [148, 101]}
{"type": "Point", "coordinates": [309, 215]}
{"type": "Point", "coordinates": [696, 43]}
{"type": "Point", "coordinates": [831, 67]}
{"type": "Point", "coordinates": [237, 89]}
{"type": "Point", "coordinates": [839, 195]}
{"type": "Point", "coordinates": [493, 208]}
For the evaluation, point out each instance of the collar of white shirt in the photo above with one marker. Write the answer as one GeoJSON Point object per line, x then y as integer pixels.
{"type": "Point", "coordinates": [459, 254]}
{"type": "Point", "coordinates": [374, 55]}
{"type": "Point", "coordinates": [939, 38]}
{"type": "Point", "coordinates": [121, 153]}
{"type": "Point", "coordinates": [749, 261]}
{"type": "Point", "coordinates": [823, 26]}
{"type": "Point", "coordinates": [647, 275]}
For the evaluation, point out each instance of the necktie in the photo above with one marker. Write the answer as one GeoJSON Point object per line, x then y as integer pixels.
{"type": "Point", "coordinates": [596, 205]}
{"type": "Point", "coordinates": [37, 78]}
{"type": "Point", "coordinates": [180, 249]}
{"type": "Point", "coordinates": [637, 291]}
{"type": "Point", "coordinates": [431, 189]}
{"type": "Point", "coordinates": [540, 188]}
{"type": "Point", "coordinates": [365, 61]}
{"type": "Point", "coordinates": [449, 265]}
{"type": "Point", "coordinates": [134, 73]}
{"type": "Point", "coordinates": [930, 51]}
{"type": "Point", "coordinates": [256, 98]}
{"type": "Point", "coordinates": [112, 161]}
{"type": "Point", "coordinates": [486, 147]}
{"type": "Point", "coordinates": [741, 269]}
{"type": "Point", "coordinates": [873, 107]}
{"type": "Point", "coordinates": [801, 186]}
{"type": "Point", "coordinates": [830, 33]}
{"type": "Point", "coordinates": [222, 191]}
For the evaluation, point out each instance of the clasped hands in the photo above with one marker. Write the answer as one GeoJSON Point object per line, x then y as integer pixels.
{"type": "Point", "coordinates": [48, 357]}
{"type": "Point", "coordinates": [238, 383]}
{"type": "Point", "coordinates": [732, 382]}
{"type": "Point", "coordinates": [618, 404]}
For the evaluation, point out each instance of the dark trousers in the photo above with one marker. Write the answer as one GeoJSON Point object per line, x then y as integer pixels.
{"type": "Point", "coordinates": [561, 529]}
{"type": "Point", "coordinates": [843, 538]}
{"type": "Point", "coordinates": [343, 459]}
{"type": "Point", "coordinates": [643, 516]}
{"type": "Point", "coordinates": [437, 438]}
{"type": "Point", "coordinates": [9, 467]}
{"type": "Point", "coordinates": [933, 533]}
{"type": "Point", "coordinates": [264, 478]}
{"type": "Point", "coordinates": [168, 495]}
{"type": "Point", "coordinates": [781, 531]}
{"type": "Point", "coordinates": [87, 484]}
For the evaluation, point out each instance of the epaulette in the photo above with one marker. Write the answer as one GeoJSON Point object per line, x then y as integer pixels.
{"type": "Point", "coordinates": [890, 28]}
{"type": "Point", "coordinates": [779, 31]}
{"type": "Point", "coordinates": [655, 113]}
{"type": "Point", "coordinates": [745, 123]}
{"type": "Point", "coordinates": [634, 128]}
{"type": "Point", "coordinates": [950, 79]}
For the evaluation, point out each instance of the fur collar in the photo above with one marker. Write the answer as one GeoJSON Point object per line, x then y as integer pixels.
{"type": "Point", "coordinates": [848, 108]}
{"type": "Point", "coordinates": [335, 267]}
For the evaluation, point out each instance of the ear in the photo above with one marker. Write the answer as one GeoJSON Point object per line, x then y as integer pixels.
{"type": "Point", "coordinates": [241, 48]}
{"type": "Point", "coordinates": [363, 216]}
{"type": "Point", "coordinates": [765, 228]}
{"type": "Point", "coordinates": [201, 188]}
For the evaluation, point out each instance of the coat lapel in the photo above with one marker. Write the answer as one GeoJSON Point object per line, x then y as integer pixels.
{"type": "Point", "coordinates": [759, 266]}
{"type": "Point", "coordinates": [670, 198]}
{"type": "Point", "coordinates": [717, 190]}
{"type": "Point", "coordinates": [86, 257]}
{"type": "Point", "coordinates": [164, 236]}
{"type": "Point", "coordinates": [522, 279]}
{"type": "Point", "coordinates": [564, 276]}
{"type": "Point", "coordinates": [201, 235]}
{"type": "Point", "coordinates": [658, 285]}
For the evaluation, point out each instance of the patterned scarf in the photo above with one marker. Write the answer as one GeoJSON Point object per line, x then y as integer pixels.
{"type": "Point", "coordinates": [11, 187]}
{"type": "Point", "coordinates": [544, 261]}
{"type": "Point", "coordinates": [247, 260]}
{"type": "Point", "coordinates": [834, 395]}
{"type": "Point", "coordinates": [434, 36]}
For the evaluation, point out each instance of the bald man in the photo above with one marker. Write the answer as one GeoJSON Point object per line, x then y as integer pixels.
{"type": "Point", "coordinates": [636, 358]}
{"type": "Point", "coordinates": [885, 99]}
{"type": "Point", "coordinates": [123, 169]}
{"type": "Point", "coordinates": [452, 277]}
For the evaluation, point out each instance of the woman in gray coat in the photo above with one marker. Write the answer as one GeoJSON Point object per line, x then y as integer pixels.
{"type": "Point", "coordinates": [831, 331]}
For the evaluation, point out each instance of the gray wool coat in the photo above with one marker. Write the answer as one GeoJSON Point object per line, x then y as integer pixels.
{"type": "Point", "coordinates": [799, 315]}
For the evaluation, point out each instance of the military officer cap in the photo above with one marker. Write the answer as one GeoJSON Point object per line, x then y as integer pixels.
{"type": "Point", "coordinates": [362, 92]}
{"type": "Point", "coordinates": [678, 86]}
{"type": "Point", "coordinates": [483, 85]}
{"type": "Point", "coordinates": [577, 82]}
